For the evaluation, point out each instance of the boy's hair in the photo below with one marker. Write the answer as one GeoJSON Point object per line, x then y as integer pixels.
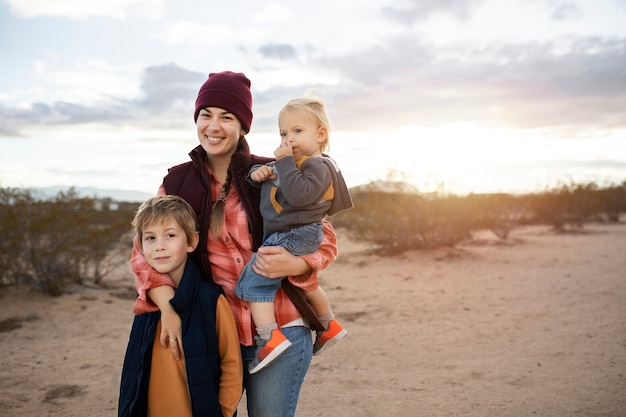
{"type": "Point", "coordinates": [160, 208]}
{"type": "Point", "coordinates": [314, 108]}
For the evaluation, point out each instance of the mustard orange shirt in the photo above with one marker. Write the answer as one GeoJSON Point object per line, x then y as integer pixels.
{"type": "Point", "coordinates": [168, 393]}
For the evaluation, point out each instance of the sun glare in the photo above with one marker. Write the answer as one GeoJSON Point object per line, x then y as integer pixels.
{"type": "Point", "coordinates": [464, 158]}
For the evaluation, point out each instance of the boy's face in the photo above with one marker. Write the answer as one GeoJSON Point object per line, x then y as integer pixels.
{"type": "Point", "coordinates": [301, 133]}
{"type": "Point", "coordinates": [165, 247]}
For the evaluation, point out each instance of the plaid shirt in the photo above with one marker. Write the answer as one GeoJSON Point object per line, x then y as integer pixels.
{"type": "Point", "coordinates": [228, 256]}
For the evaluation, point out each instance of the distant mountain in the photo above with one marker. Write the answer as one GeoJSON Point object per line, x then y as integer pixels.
{"type": "Point", "coordinates": [386, 187]}
{"type": "Point", "coordinates": [92, 192]}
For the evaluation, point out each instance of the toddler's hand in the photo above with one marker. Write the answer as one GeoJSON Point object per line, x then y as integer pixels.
{"type": "Point", "coordinates": [263, 173]}
{"type": "Point", "coordinates": [285, 149]}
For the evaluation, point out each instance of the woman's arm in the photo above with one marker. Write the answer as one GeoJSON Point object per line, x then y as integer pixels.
{"type": "Point", "coordinates": [326, 253]}
{"type": "Point", "coordinates": [277, 262]}
{"type": "Point", "coordinates": [171, 324]}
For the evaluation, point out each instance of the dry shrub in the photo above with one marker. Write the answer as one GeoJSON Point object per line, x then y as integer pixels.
{"type": "Point", "coordinates": [52, 244]}
{"type": "Point", "coordinates": [499, 213]}
{"type": "Point", "coordinates": [397, 222]}
{"type": "Point", "coordinates": [574, 204]}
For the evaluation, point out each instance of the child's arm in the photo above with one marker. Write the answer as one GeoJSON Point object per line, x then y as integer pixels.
{"type": "Point", "coordinates": [262, 173]}
{"type": "Point", "coordinates": [304, 185]}
{"type": "Point", "coordinates": [231, 364]}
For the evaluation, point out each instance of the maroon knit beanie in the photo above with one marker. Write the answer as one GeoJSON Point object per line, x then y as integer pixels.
{"type": "Point", "coordinates": [229, 91]}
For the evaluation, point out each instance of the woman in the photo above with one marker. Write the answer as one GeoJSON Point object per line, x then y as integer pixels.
{"type": "Point", "coordinates": [227, 206]}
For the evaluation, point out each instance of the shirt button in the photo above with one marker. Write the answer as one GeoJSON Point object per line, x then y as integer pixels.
{"type": "Point", "coordinates": [238, 260]}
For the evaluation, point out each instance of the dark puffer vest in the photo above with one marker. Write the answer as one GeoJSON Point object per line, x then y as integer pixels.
{"type": "Point", "coordinates": [191, 182]}
{"type": "Point", "coordinates": [195, 301]}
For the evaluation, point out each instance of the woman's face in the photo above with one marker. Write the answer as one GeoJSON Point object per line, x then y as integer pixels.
{"type": "Point", "coordinates": [218, 131]}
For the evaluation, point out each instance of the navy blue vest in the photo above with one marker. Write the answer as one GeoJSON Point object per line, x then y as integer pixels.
{"type": "Point", "coordinates": [195, 301]}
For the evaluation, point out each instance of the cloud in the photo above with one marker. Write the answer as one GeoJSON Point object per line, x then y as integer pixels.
{"type": "Point", "coordinates": [164, 87]}
{"type": "Point", "coordinates": [83, 9]}
{"type": "Point", "coordinates": [220, 44]}
{"type": "Point", "coordinates": [280, 52]}
{"type": "Point", "coordinates": [167, 92]}
{"type": "Point", "coordinates": [567, 11]}
{"type": "Point", "coordinates": [569, 82]}
{"type": "Point", "coordinates": [272, 13]}
{"type": "Point", "coordinates": [527, 85]}
{"type": "Point", "coordinates": [184, 32]}
{"type": "Point", "coordinates": [420, 10]}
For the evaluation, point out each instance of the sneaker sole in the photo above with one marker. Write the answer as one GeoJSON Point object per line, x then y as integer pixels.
{"type": "Point", "coordinates": [275, 353]}
{"type": "Point", "coordinates": [331, 342]}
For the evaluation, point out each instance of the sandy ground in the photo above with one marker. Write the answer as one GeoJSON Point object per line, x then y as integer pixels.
{"type": "Point", "coordinates": [534, 326]}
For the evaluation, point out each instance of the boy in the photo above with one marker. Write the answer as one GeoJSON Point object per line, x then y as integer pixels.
{"type": "Point", "coordinates": [207, 380]}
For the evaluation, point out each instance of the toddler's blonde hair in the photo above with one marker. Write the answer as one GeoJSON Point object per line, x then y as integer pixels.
{"type": "Point", "coordinates": [313, 108]}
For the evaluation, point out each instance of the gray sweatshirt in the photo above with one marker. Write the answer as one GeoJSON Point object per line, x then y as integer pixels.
{"type": "Point", "coordinates": [306, 190]}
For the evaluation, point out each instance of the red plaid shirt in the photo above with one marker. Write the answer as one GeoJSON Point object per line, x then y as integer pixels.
{"type": "Point", "coordinates": [228, 256]}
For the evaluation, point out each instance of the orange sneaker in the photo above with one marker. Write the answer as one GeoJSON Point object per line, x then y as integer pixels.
{"type": "Point", "coordinates": [328, 337]}
{"type": "Point", "coordinates": [268, 350]}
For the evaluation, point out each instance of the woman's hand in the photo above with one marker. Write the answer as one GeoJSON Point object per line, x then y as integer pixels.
{"type": "Point", "coordinates": [277, 262]}
{"type": "Point", "coordinates": [171, 332]}
{"type": "Point", "coordinates": [171, 324]}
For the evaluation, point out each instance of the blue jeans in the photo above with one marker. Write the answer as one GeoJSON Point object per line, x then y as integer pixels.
{"type": "Point", "coordinates": [298, 241]}
{"type": "Point", "coordinates": [274, 391]}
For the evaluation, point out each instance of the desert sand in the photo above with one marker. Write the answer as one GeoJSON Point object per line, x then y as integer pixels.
{"type": "Point", "coordinates": [531, 326]}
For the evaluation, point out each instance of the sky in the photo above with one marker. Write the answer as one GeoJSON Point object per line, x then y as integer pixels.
{"type": "Point", "coordinates": [455, 95]}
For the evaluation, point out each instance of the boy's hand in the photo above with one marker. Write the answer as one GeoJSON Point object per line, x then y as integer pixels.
{"type": "Point", "coordinates": [285, 149]}
{"type": "Point", "coordinates": [263, 173]}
